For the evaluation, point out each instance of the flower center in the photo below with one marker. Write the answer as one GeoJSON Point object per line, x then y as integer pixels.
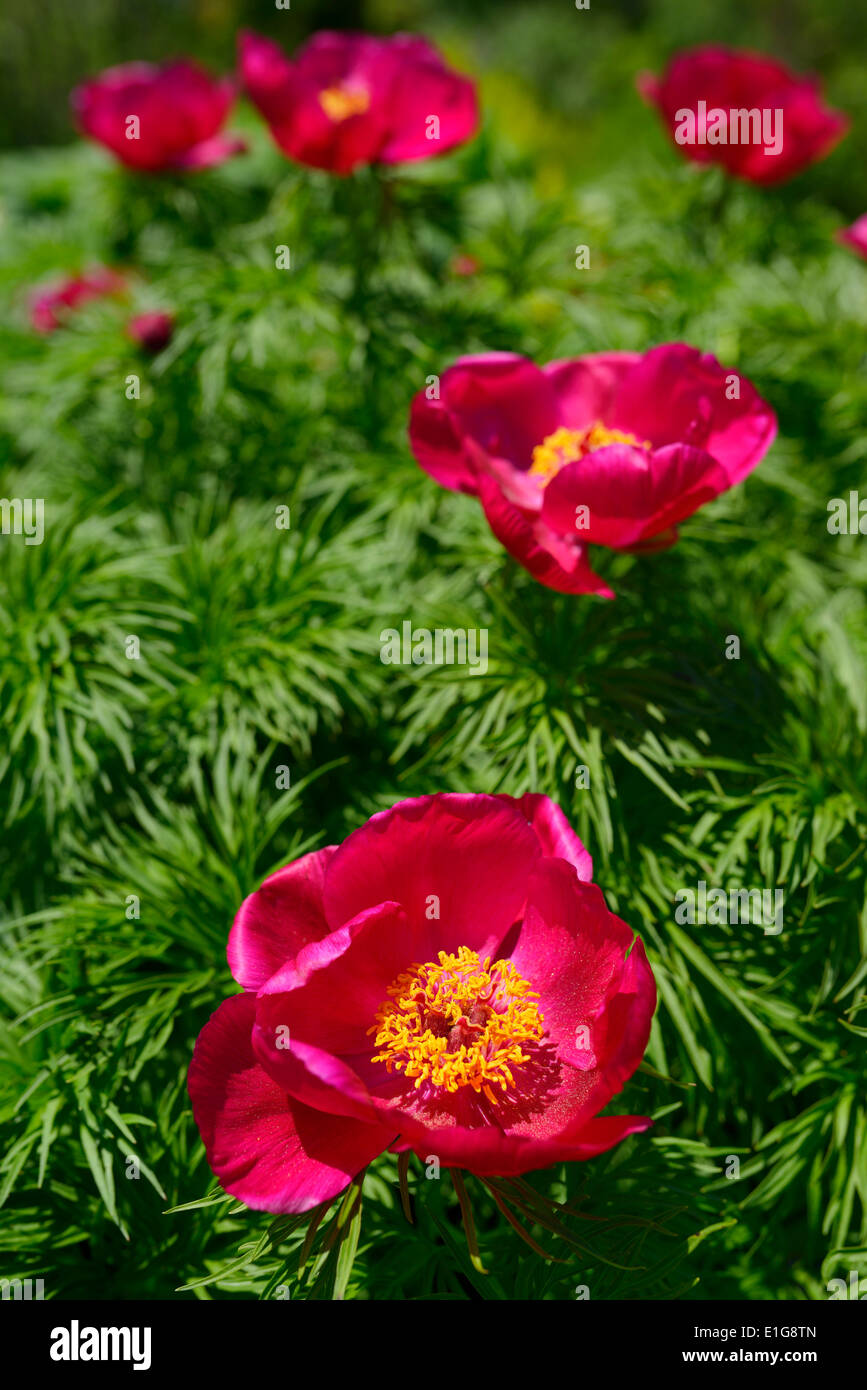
{"type": "Point", "coordinates": [459, 1022]}
{"type": "Point", "coordinates": [566, 446]}
{"type": "Point", "coordinates": [339, 103]}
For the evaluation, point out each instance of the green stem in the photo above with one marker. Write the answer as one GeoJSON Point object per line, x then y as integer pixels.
{"type": "Point", "coordinates": [469, 1223]}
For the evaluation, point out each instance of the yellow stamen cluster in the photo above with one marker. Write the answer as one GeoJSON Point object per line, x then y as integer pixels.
{"type": "Point", "coordinates": [458, 1022]}
{"type": "Point", "coordinates": [339, 103]}
{"type": "Point", "coordinates": [567, 446]}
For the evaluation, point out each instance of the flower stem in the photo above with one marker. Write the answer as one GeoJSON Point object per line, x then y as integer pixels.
{"type": "Point", "coordinates": [469, 1224]}
{"type": "Point", "coordinates": [402, 1172]}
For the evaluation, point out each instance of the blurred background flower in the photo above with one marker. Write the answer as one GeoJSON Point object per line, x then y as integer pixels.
{"type": "Point", "coordinates": [158, 117]}
{"type": "Point", "coordinates": [519, 41]}
{"type": "Point", "coordinates": [51, 307]}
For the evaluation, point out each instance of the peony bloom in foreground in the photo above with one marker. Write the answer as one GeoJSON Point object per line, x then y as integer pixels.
{"type": "Point", "coordinates": [151, 331]}
{"type": "Point", "coordinates": [745, 111]}
{"type": "Point", "coordinates": [158, 119]}
{"type": "Point", "coordinates": [50, 308]}
{"type": "Point", "coordinates": [350, 99]}
{"type": "Point", "coordinates": [613, 449]}
{"type": "Point", "coordinates": [447, 981]}
{"type": "Point", "coordinates": [855, 236]}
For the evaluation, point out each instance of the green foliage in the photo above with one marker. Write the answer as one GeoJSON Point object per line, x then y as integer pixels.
{"type": "Point", "coordinates": [157, 779]}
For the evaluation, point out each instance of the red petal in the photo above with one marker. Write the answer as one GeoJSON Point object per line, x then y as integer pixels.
{"type": "Point", "coordinates": [266, 1149]}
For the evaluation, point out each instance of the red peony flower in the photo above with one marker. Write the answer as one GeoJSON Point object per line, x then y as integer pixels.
{"type": "Point", "coordinates": [464, 265]}
{"type": "Point", "coordinates": [855, 236]}
{"type": "Point", "coordinates": [158, 118]}
{"type": "Point", "coordinates": [50, 308]}
{"type": "Point", "coordinates": [613, 449]}
{"type": "Point", "coordinates": [745, 111]}
{"type": "Point", "coordinates": [447, 981]}
{"type": "Point", "coordinates": [151, 331]}
{"type": "Point", "coordinates": [351, 99]}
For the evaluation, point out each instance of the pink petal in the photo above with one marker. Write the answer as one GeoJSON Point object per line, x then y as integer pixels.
{"type": "Point", "coordinates": [630, 1014]}
{"type": "Point", "coordinates": [596, 995]}
{"type": "Point", "coordinates": [678, 395]}
{"type": "Point", "coordinates": [317, 1078]}
{"type": "Point", "coordinates": [266, 1149]}
{"type": "Point", "coordinates": [274, 923]}
{"type": "Point", "coordinates": [423, 89]}
{"type": "Point", "coordinates": [307, 134]}
{"type": "Point", "coordinates": [647, 86]}
{"type": "Point", "coordinates": [465, 858]}
{"type": "Point", "coordinates": [151, 331]}
{"type": "Point", "coordinates": [556, 835]}
{"type": "Point", "coordinates": [265, 73]}
{"type": "Point", "coordinates": [856, 236]}
{"type": "Point", "coordinates": [489, 1152]}
{"type": "Point", "coordinates": [50, 308]}
{"type": "Point", "coordinates": [332, 56]}
{"type": "Point", "coordinates": [502, 404]}
{"type": "Point", "coordinates": [211, 152]}
{"type": "Point", "coordinates": [732, 79]}
{"type": "Point", "coordinates": [403, 77]}
{"type": "Point", "coordinates": [577, 956]}
{"type": "Point", "coordinates": [631, 494]}
{"type": "Point", "coordinates": [581, 959]}
{"type": "Point", "coordinates": [586, 387]}
{"type": "Point", "coordinates": [180, 108]}
{"type": "Point", "coordinates": [602, 1133]}
{"type": "Point", "coordinates": [555, 560]}
{"type": "Point", "coordinates": [437, 447]}
{"type": "Point", "coordinates": [573, 951]}
{"type": "Point", "coordinates": [329, 993]}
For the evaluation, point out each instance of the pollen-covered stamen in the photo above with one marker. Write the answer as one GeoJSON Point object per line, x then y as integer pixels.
{"type": "Point", "coordinates": [458, 1022]}
{"type": "Point", "coordinates": [567, 446]}
{"type": "Point", "coordinates": [341, 102]}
